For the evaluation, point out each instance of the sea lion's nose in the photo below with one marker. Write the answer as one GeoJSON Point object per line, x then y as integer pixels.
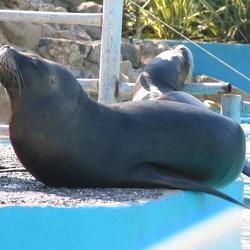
{"type": "Point", "coordinates": [6, 47]}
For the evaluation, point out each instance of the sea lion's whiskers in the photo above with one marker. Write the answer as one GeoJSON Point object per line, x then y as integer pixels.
{"type": "Point", "coordinates": [19, 79]}
{"type": "Point", "coordinates": [17, 74]}
{"type": "Point", "coordinates": [13, 70]}
{"type": "Point", "coordinates": [11, 66]}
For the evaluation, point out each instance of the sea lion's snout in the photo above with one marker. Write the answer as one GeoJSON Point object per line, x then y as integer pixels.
{"type": "Point", "coordinates": [10, 75]}
{"type": "Point", "coordinates": [5, 47]}
{"type": "Point", "coordinates": [3, 50]}
{"type": "Point", "coordinates": [3, 55]}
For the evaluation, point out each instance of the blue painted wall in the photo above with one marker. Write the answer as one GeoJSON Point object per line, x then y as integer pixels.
{"type": "Point", "coordinates": [132, 226]}
{"type": "Point", "coordinates": [236, 55]}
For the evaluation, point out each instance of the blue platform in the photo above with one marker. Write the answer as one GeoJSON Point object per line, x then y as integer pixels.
{"type": "Point", "coordinates": [179, 220]}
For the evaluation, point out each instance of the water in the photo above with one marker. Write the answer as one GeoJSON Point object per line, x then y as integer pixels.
{"type": "Point", "coordinates": [4, 142]}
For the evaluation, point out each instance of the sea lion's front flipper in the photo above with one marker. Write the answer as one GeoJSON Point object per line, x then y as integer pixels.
{"type": "Point", "coordinates": [150, 175]}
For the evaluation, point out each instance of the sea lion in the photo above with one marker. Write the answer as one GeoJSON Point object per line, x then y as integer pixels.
{"type": "Point", "coordinates": [64, 138]}
{"type": "Point", "coordinates": [163, 78]}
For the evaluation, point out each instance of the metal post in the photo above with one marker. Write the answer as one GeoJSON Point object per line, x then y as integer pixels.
{"type": "Point", "coordinates": [94, 19]}
{"type": "Point", "coordinates": [110, 50]}
{"type": "Point", "coordinates": [231, 106]}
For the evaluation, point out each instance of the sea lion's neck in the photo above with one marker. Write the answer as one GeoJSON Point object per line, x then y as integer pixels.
{"type": "Point", "coordinates": [54, 111]}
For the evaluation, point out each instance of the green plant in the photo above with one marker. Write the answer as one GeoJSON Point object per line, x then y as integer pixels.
{"type": "Point", "coordinates": [207, 20]}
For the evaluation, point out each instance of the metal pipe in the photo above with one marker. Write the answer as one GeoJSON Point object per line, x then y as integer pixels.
{"type": "Point", "coordinates": [207, 88]}
{"type": "Point", "coordinates": [51, 17]}
{"type": "Point", "coordinates": [126, 89]}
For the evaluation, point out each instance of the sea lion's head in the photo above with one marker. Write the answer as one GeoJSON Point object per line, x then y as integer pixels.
{"type": "Point", "coordinates": [189, 62]}
{"type": "Point", "coordinates": [27, 76]}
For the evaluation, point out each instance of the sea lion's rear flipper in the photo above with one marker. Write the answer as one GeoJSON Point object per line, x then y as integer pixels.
{"type": "Point", "coordinates": [150, 175]}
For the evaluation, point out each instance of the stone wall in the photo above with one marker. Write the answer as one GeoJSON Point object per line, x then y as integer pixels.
{"type": "Point", "coordinates": [75, 46]}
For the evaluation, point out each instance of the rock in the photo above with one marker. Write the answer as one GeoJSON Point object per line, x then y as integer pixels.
{"type": "Point", "coordinates": [3, 39]}
{"type": "Point", "coordinates": [244, 95]}
{"type": "Point", "coordinates": [66, 44]}
{"type": "Point", "coordinates": [127, 69]}
{"type": "Point", "coordinates": [48, 1]}
{"type": "Point", "coordinates": [2, 5]}
{"type": "Point", "coordinates": [95, 52]}
{"type": "Point", "coordinates": [94, 32]}
{"type": "Point", "coordinates": [47, 7]}
{"type": "Point", "coordinates": [123, 78]}
{"type": "Point", "coordinates": [50, 8]}
{"type": "Point", "coordinates": [72, 35]}
{"type": "Point", "coordinates": [205, 78]}
{"type": "Point", "coordinates": [60, 9]}
{"type": "Point", "coordinates": [80, 57]}
{"type": "Point", "coordinates": [149, 50]}
{"type": "Point", "coordinates": [26, 34]}
{"type": "Point", "coordinates": [23, 4]}
{"type": "Point", "coordinates": [131, 52]}
{"type": "Point", "coordinates": [67, 52]}
{"type": "Point", "coordinates": [22, 33]}
{"type": "Point", "coordinates": [213, 106]}
{"type": "Point", "coordinates": [70, 5]}
{"type": "Point", "coordinates": [89, 7]}
{"type": "Point", "coordinates": [4, 106]}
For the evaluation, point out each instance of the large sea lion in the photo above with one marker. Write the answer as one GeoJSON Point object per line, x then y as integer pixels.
{"type": "Point", "coordinates": [65, 138]}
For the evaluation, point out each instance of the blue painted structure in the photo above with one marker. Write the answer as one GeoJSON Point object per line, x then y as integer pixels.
{"type": "Point", "coordinates": [236, 55]}
{"type": "Point", "coordinates": [178, 220]}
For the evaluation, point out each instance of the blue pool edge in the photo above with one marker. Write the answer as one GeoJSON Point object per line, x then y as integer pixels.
{"type": "Point", "coordinates": [155, 224]}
